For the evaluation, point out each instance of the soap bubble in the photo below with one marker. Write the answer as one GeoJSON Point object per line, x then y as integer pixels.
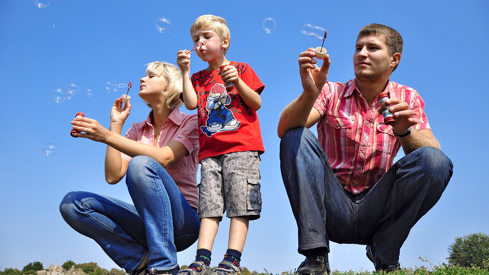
{"type": "Point", "coordinates": [58, 95]}
{"type": "Point", "coordinates": [309, 29]}
{"type": "Point", "coordinates": [109, 87]}
{"type": "Point", "coordinates": [72, 88]}
{"type": "Point", "coordinates": [122, 85]}
{"type": "Point", "coordinates": [50, 149]}
{"type": "Point", "coordinates": [89, 92]}
{"type": "Point", "coordinates": [42, 4]}
{"type": "Point", "coordinates": [162, 25]}
{"type": "Point", "coordinates": [269, 25]}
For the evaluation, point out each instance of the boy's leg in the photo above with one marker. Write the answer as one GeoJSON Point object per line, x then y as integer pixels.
{"type": "Point", "coordinates": [211, 209]}
{"type": "Point", "coordinates": [238, 230]}
{"type": "Point", "coordinates": [207, 233]}
{"type": "Point", "coordinates": [242, 197]}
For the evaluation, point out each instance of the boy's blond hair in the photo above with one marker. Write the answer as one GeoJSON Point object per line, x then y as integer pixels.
{"type": "Point", "coordinates": [215, 23]}
{"type": "Point", "coordinates": [174, 83]}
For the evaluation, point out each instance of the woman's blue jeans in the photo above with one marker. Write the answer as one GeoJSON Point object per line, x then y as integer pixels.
{"type": "Point", "coordinates": [381, 216]}
{"type": "Point", "coordinates": [161, 220]}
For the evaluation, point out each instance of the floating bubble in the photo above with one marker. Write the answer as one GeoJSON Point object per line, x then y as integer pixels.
{"type": "Point", "coordinates": [122, 85]}
{"type": "Point", "coordinates": [42, 4]}
{"type": "Point", "coordinates": [58, 95]}
{"type": "Point", "coordinates": [309, 29]}
{"type": "Point", "coordinates": [50, 149]}
{"type": "Point", "coordinates": [269, 25]}
{"type": "Point", "coordinates": [89, 92]}
{"type": "Point", "coordinates": [109, 87]}
{"type": "Point", "coordinates": [72, 88]}
{"type": "Point", "coordinates": [162, 25]}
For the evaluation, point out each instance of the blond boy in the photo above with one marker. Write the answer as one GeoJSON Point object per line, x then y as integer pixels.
{"type": "Point", "coordinates": [227, 99]}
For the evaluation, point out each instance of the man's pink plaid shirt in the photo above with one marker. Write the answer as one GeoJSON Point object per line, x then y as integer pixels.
{"type": "Point", "coordinates": [360, 148]}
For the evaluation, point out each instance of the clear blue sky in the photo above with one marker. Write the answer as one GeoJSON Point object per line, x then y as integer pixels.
{"type": "Point", "coordinates": [91, 42]}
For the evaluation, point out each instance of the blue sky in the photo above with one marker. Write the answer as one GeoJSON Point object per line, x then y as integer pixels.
{"type": "Point", "coordinates": [89, 43]}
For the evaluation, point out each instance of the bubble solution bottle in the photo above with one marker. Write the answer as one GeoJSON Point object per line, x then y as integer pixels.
{"type": "Point", "coordinates": [79, 114]}
{"type": "Point", "coordinates": [228, 85]}
{"type": "Point", "coordinates": [388, 116]}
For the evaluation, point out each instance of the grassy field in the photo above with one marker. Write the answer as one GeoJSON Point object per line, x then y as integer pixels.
{"type": "Point", "coordinates": [444, 269]}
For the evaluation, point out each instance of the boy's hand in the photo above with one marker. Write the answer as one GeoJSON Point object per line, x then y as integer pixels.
{"type": "Point", "coordinates": [229, 74]}
{"type": "Point", "coordinates": [183, 60]}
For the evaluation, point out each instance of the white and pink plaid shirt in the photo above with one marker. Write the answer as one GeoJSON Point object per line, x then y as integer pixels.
{"type": "Point", "coordinates": [360, 148]}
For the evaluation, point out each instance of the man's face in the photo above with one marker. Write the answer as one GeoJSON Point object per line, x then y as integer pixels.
{"type": "Point", "coordinates": [371, 60]}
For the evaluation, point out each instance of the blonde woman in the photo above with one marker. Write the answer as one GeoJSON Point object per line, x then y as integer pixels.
{"type": "Point", "coordinates": [159, 159]}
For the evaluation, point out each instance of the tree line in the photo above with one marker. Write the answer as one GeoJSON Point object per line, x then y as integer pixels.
{"type": "Point", "coordinates": [88, 268]}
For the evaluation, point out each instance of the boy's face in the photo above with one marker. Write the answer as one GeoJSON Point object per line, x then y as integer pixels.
{"type": "Point", "coordinates": [211, 46]}
{"type": "Point", "coordinates": [372, 60]}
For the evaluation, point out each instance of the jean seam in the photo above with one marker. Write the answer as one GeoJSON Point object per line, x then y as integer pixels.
{"type": "Point", "coordinates": [103, 224]}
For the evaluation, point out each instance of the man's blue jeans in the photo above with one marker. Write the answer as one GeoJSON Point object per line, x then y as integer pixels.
{"type": "Point", "coordinates": [381, 216]}
{"type": "Point", "coordinates": [161, 220]}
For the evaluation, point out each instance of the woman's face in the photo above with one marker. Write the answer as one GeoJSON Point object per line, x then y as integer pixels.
{"type": "Point", "coordinates": [152, 86]}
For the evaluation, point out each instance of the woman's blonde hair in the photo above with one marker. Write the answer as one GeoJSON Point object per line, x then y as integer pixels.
{"type": "Point", "coordinates": [173, 77]}
{"type": "Point", "coordinates": [215, 23]}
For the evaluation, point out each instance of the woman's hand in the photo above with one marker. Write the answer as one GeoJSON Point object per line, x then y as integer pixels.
{"type": "Point", "coordinates": [119, 114]}
{"type": "Point", "coordinates": [89, 128]}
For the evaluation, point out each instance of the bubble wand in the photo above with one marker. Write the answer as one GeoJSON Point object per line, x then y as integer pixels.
{"type": "Point", "coordinates": [195, 48]}
{"type": "Point", "coordinates": [126, 96]}
{"type": "Point", "coordinates": [325, 34]}
{"type": "Point", "coordinates": [321, 52]}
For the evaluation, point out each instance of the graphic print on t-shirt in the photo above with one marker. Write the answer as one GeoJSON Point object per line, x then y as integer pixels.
{"type": "Point", "coordinates": [219, 118]}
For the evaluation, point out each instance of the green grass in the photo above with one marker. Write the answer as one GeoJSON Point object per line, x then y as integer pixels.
{"type": "Point", "coordinates": [444, 269]}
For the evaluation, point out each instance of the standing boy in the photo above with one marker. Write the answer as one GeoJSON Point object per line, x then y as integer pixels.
{"type": "Point", "coordinates": [227, 95]}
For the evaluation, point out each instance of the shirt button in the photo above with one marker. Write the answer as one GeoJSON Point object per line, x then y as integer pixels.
{"type": "Point", "coordinates": [354, 185]}
{"type": "Point", "coordinates": [359, 168]}
{"type": "Point", "coordinates": [364, 145]}
{"type": "Point", "coordinates": [337, 125]}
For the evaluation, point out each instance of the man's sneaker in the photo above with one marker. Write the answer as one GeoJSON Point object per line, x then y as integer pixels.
{"type": "Point", "coordinates": [315, 265]}
{"type": "Point", "coordinates": [196, 268]}
{"type": "Point", "coordinates": [380, 266]}
{"type": "Point", "coordinates": [226, 268]}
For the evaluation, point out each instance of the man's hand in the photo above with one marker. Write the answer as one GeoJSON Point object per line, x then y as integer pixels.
{"type": "Point", "coordinates": [402, 114]}
{"type": "Point", "coordinates": [313, 78]}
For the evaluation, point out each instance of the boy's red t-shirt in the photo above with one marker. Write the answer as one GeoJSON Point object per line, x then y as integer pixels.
{"type": "Point", "coordinates": [226, 123]}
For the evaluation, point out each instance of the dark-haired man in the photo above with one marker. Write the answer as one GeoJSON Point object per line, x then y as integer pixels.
{"type": "Point", "coordinates": [344, 186]}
